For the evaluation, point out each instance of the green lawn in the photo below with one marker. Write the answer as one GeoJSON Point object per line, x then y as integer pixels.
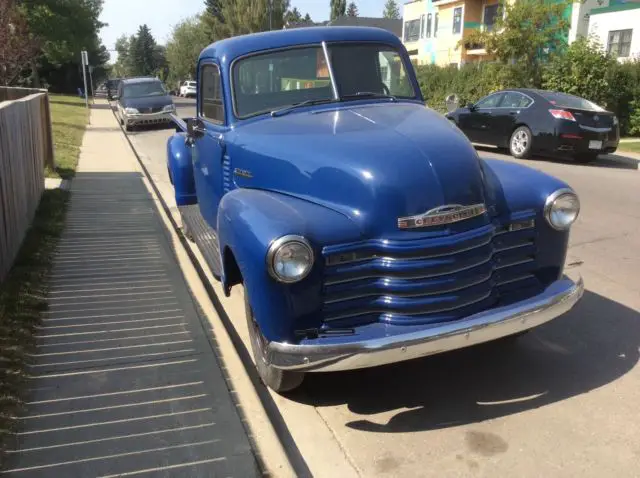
{"type": "Point", "coordinates": [69, 117]}
{"type": "Point", "coordinates": [633, 147]}
{"type": "Point", "coordinates": [23, 294]}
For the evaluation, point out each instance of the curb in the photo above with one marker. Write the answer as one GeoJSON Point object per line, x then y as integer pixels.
{"type": "Point", "coordinates": [297, 465]}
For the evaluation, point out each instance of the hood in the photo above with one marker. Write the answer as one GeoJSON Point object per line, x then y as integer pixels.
{"type": "Point", "coordinates": [373, 163]}
{"type": "Point", "coordinates": [147, 102]}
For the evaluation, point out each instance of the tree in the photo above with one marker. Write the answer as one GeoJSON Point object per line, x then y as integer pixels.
{"type": "Point", "coordinates": [391, 10]}
{"type": "Point", "coordinates": [293, 16]}
{"type": "Point", "coordinates": [525, 33]}
{"type": "Point", "coordinates": [214, 8]}
{"type": "Point", "coordinates": [338, 8]}
{"type": "Point", "coordinates": [241, 17]}
{"type": "Point", "coordinates": [64, 28]}
{"type": "Point", "coordinates": [17, 46]}
{"type": "Point", "coordinates": [188, 38]}
{"type": "Point", "coordinates": [352, 10]}
{"type": "Point", "coordinates": [582, 70]}
{"type": "Point", "coordinates": [142, 53]}
{"type": "Point", "coordinates": [307, 18]}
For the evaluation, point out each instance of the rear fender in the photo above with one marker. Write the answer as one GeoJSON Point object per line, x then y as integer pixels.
{"type": "Point", "coordinates": [249, 221]}
{"type": "Point", "coordinates": [181, 170]}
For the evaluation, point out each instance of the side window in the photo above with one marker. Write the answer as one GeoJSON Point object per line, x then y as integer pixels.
{"type": "Point", "coordinates": [490, 101]}
{"type": "Point", "coordinates": [515, 100]}
{"type": "Point", "coordinates": [457, 20]}
{"type": "Point", "coordinates": [211, 103]}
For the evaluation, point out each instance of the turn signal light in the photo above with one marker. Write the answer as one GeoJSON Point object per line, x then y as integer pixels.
{"type": "Point", "coordinates": [562, 114]}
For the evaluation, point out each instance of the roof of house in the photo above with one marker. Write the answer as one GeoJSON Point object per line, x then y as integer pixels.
{"type": "Point", "coordinates": [230, 48]}
{"type": "Point", "coordinates": [389, 24]}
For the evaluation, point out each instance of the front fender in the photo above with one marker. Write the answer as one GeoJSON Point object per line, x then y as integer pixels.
{"type": "Point", "coordinates": [514, 188]}
{"type": "Point", "coordinates": [249, 221]}
{"type": "Point", "coordinates": [181, 170]}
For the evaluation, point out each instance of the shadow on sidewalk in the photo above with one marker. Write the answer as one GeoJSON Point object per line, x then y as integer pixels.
{"type": "Point", "coordinates": [593, 345]}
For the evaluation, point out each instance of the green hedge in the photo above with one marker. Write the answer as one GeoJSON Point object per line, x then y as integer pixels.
{"type": "Point", "coordinates": [582, 70]}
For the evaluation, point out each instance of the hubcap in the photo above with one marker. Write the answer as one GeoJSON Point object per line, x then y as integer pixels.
{"type": "Point", "coordinates": [520, 142]}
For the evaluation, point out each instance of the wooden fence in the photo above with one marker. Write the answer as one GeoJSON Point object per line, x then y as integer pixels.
{"type": "Point", "coordinates": [26, 147]}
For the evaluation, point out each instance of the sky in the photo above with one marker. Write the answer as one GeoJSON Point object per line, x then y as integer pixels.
{"type": "Point", "coordinates": [125, 16]}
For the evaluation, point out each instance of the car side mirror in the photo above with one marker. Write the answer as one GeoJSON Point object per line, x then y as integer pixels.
{"type": "Point", "coordinates": [471, 106]}
{"type": "Point", "coordinates": [195, 128]}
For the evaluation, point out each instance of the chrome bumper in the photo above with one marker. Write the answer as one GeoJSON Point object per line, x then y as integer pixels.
{"type": "Point", "coordinates": [148, 118]}
{"type": "Point", "coordinates": [493, 324]}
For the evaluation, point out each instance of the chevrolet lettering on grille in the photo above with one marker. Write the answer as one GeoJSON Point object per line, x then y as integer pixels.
{"type": "Point", "coordinates": [442, 215]}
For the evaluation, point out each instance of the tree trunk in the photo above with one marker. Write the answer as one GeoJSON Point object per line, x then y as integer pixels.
{"type": "Point", "coordinates": [35, 78]}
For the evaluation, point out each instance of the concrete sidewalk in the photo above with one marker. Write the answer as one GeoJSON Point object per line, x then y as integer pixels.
{"type": "Point", "coordinates": [124, 382]}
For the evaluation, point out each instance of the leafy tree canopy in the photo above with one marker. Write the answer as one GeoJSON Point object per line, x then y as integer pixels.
{"type": "Point", "coordinates": [391, 10]}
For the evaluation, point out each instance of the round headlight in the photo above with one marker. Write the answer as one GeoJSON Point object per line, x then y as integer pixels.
{"type": "Point", "coordinates": [561, 209]}
{"type": "Point", "coordinates": [290, 259]}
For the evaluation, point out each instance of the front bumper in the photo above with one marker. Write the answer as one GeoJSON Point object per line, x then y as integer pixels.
{"type": "Point", "coordinates": [148, 118]}
{"type": "Point", "coordinates": [492, 324]}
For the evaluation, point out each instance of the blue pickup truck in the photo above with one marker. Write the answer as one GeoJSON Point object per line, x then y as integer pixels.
{"type": "Point", "coordinates": [363, 226]}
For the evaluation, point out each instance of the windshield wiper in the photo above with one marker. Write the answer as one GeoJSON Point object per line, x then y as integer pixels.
{"type": "Point", "coordinates": [286, 109]}
{"type": "Point", "coordinates": [370, 94]}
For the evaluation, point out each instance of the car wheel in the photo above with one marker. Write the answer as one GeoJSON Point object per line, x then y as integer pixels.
{"type": "Point", "coordinates": [278, 380]}
{"type": "Point", "coordinates": [128, 127]}
{"type": "Point", "coordinates": [521, 142]}
{"type": "Point", "coordinates": [586, 158]}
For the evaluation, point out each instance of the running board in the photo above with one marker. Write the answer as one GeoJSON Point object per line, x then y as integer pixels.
{"type": "Point", "coordinates": [205, 238]}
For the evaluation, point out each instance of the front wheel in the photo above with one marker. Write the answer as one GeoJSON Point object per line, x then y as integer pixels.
{"type": "Point", "coordinates": [278, 380]}
{"type": "Point", "coordinates": [521, 142]}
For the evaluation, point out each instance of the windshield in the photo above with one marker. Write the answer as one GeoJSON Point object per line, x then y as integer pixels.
{"type": "Point", "coordinates": [140, 90]}
{"type": "Point", "coordinates": [191, 83]}
{"type": "Point", "coordinates": [269, 81]}
{"type": "Point", "coordinates": [563, 100]}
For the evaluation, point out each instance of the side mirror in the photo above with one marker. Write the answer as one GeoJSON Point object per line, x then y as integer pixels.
{"type": "Point", "coordinates": [471, 106]}
{"type": "Point", "coordinates": [195, 128]}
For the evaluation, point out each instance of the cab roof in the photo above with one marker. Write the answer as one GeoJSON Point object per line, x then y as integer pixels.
{"type": "Point", "coordinates": [231, 48]}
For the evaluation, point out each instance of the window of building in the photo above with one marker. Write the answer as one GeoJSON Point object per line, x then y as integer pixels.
{"type": "Point", "coordinates": [457, 19]}
{"type": "Point", "coordinates": [619, 44]}
{"type": "Point", "coordinates": [429, 15]}
{"type": "Point", "coordinates": [435, 26]}
{"type": "Point", "coordinates": [421, 26]}
{"type": "Point", "coordinates": [490, 16]}
{"type": "Point", "coordinates": [211, 105]}
{"type": "Point", "coordinates": [412, 30]}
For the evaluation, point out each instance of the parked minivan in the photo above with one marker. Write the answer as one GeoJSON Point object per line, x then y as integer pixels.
{"type": "Point", "coordinates": [143, 101]}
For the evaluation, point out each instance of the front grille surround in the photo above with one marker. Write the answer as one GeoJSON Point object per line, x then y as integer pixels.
{"type": "Point", "coordinates": [429, 280]}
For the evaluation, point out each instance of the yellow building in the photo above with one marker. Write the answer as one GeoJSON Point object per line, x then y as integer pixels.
{"type": "Point", "coordinates": [433, 29]}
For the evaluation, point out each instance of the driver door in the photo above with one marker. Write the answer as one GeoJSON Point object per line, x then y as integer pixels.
{"type": "Point", "coordinates": [208, 151]}
{"type": "Point", "coordinates": [478, 123]}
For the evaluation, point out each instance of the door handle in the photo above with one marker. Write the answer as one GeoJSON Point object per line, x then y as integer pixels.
{"type": "Point", "coordinates": [513, 113]}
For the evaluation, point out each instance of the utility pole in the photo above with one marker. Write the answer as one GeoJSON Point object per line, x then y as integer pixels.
{"type": "Point", "coordinates": [270, 8]}
{"type": "Point", "coordinates": [85, 60]}
{"type": "Point", "coordinates": [91, 83]}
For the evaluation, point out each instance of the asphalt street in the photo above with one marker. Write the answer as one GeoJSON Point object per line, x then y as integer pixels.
{"type": "Point", "coordinates": [562, 401]}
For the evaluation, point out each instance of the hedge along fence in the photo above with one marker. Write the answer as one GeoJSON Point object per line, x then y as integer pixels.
{"type": "Point", "coordinates": [26, 147]}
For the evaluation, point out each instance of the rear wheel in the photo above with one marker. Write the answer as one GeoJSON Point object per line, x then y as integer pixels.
{"type": "Point", "coordinates": [521, 142]}
{"type": "Point", "coordinates": [278, 380]}
{"type": "Point", "coordinates": [586, 158]}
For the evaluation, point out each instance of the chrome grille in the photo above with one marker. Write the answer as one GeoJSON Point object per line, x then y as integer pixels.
{"type": "Point", "coordinates": [428, 280]}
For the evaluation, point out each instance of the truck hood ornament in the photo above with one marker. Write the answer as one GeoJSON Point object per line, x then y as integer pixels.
{"type": "Point", "coordinates": [441, 215]}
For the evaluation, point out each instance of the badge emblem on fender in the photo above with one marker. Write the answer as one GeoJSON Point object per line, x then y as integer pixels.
{"type": "Point", "coordinates": [442, 215]}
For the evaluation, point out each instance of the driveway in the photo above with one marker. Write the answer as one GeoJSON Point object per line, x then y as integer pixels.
{"type": "Point", "coordinates": [562, 401]}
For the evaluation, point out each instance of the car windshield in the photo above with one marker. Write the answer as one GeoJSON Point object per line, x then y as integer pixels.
{"type": "Point", "coordinates": [191, 83]}
{"type": "Point", "coordinates": [277, 79]}
{"type": "Point", "coordinates": [140, 90]}
{"type": "Point", "coordinates": [563, 100]}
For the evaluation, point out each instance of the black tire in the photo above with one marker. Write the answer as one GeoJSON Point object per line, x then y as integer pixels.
{"type": "Point", "coordinates": [586, 158]}
{"type": "Point", "coordinates": [121, 121]}
{"type": "Point", "coordinates": [520, 143]}
{"type": "Point", "coordinates": [280, 381]}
